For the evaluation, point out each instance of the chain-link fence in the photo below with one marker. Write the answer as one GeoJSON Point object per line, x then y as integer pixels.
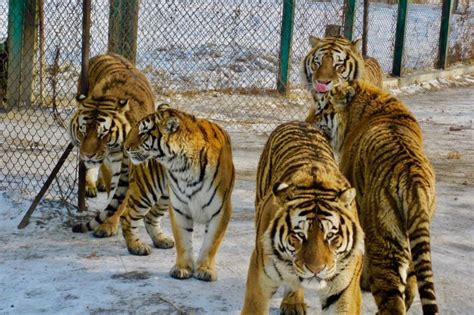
{"type": "Point", "coordinates": [216, 59]}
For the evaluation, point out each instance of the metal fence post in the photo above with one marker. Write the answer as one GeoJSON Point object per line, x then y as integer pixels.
{"type": "Point", "coordinates": [287, 22]}
{"type": "Point", "coordinates": [444, 34]}
{"type": "Point", "coordinates": [399, 38]}
{"type": "Point", "coordinates": [349, 13]}
{"type": "Point", "coordinates": [22, 30]}
{"type": "Point", "coordinates": [123, 28]}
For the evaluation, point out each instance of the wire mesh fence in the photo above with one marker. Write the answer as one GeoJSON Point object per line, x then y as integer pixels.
{"type": "Point", "coordinates": [216, 59]}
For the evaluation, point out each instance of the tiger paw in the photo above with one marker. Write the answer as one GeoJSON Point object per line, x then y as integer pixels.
{"type": "Point", "coordinates": [139, 248]}
{"type": "Point", "coordinates": [163, 241]}
{"type": "Point", "coordinates": [205, 274]}
{"type": "Point", "coordinates": [181, 273]}
{"type": "Point", "coordinates": [101, 187]}
{"type": "Point", "coordinates": [293, 309]}
{"type": "Point", "coordinates": [106, 229]}
{"type": "Point", "coordinates": [91, 191]}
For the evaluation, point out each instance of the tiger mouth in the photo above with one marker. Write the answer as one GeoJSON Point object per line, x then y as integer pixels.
{"type": "Point", "coordinates": [322, 87]}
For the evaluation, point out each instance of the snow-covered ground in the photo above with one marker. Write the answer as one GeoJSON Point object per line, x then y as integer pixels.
{"type": "Point", "coordinates": [45, 268]}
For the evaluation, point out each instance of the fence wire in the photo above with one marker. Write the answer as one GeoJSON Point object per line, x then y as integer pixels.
{"type": "Point", "coordinates": [215, 59]}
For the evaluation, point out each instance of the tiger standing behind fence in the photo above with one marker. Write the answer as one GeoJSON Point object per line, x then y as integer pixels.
{"type": "Point", "coordinates": [308, 233]}
{"type": "Point", "coordinates": [197, 156]}
{"type": "Point", "coordinates": [330, 61]}
{"type": "Point", "coordinates": [381, 153]}
{"type": "Point", "coordinates": [119, 95]}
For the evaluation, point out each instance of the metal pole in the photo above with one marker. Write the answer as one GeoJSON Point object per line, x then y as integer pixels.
{"type": "Point", "coordinates": [26, 218]}
{"type": "Point", "coordinates": [287, 22]}
{"type": "Point", "coordinates": [84, 89]}
{"type": "Point", "coordinates": [444, 34]}
{"type": "Point", "coordinates": [349, 18]}
{"type": "Point", "coordinates": [399, 38]}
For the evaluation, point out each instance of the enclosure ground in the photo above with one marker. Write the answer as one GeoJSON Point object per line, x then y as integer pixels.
{"type": "Point", "coordinates": [46, 268]}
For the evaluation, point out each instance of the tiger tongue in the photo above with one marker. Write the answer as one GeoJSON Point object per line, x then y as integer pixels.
{"type": "Point", "coordinates": [321, 87]}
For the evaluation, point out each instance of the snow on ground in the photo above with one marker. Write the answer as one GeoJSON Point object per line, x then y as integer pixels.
{"type": "Point", "coordinates": [45, 268]}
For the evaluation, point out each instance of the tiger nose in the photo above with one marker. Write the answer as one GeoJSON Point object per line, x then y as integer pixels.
{"type": "Point", "coordinates": [316, 270]}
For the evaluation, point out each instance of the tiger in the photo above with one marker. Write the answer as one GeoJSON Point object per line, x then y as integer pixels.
{"type": "Point", "coordinates": [332, 60]}
{"type": "Point", "coordinates": [119, 94]}
{"type": "Point", "coordinates": [380, 145]}
{"type": "Point", "coordinates": [95, 181]}
{"type": "Point", "coordinates": [308, 232]}
{"type": "Point", "coordinates": [197, 157]}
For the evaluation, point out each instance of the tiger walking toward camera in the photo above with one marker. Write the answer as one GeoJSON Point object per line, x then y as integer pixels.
{"type": "Point", "coordinates": [197, 157]}
{"type": "Point", "coordinates": [119, 95]}
{"type": "Point", "coordinates": [381, 153]}
{"type": "Point", "coordinates": [308, 233]}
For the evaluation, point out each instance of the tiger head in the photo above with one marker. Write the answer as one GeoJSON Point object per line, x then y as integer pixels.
{"type": "Point", "coordinates": [157, 136]}
{"type": "Point", "coordinates": [314, 227]}
{"type": "Point", "coordinates": [98, 127]}
{"type": "Point", "coordinates": [330, 61]}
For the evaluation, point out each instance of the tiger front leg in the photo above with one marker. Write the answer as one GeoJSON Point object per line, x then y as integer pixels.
{"type": "Point", "coordinates": [214, 233]}
{"type": "Point", "coordinates": [119, 186]}
{"type": "Point", "coordinates": [92, 175]}
{"type": "Point", "coordinates": [132, 214]}
{"type": "Point", "coordinates": [153, 225]}
{"type": "Point", "coordinates": [259, 289]}
{"type": "Point", "coordinates": [293, 302]}
{"type": "Point", "coordinates": [182, 225]}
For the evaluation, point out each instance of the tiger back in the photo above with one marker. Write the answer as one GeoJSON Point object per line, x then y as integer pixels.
{"type": "Point", "coordinates": [308, 233]}
{"type": "Point", "coordinates": [119, 95]}
{"type": "Point", "coordinates": [197, 157]}
{"type": "Point", "coordinates": [332, 60]}
{"type": "Point", "coordinates": [381, 153]}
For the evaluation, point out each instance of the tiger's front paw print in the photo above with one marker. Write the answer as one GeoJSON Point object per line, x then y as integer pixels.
{"type": "Point", "coordinates": [205, 274]}
{"type": "Point", "coordinates": [181, 272]}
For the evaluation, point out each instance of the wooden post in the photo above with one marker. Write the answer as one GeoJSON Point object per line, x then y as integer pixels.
{"type": "Point", "coordinates": [349, 18]}
{"type": "Point", "coordinates": [444, 34]}
{"type": "Point", "coordinates": [123, 28]}
{"type": "Point", "coordinates": [332, 30]}
{"type": "Point", "coordinates": [399, 38]}
{"type": "Point", "coordinates": [287, 22]}
{"type": "Point", "coordinates": [22, 30]}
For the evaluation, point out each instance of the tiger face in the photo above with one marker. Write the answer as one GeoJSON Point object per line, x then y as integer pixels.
{"type": "Point", "coordinates": [312, 233]}
{"type": "Point", "coordinates": [330, 61]}
{"type": "Point", "coordinates": [154, 137]}
{"type": "Point", "coordinates": [97, 130]}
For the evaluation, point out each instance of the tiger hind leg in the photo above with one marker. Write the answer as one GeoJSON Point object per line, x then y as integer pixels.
{"type": "Point", "coordinates": [388, 268]}
{"type": "Point", "coordinates": [214, 233]}
{"type": "Point", "coordinates": [293, 302]}
{"type": "Point", "coordinates": [411, 287]}
{"type": "Point", "coordinates": [153, 225]}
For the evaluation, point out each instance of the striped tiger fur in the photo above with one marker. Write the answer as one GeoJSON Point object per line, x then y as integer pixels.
{"type": "Point", "coordinates": [197, 156]}
{"type": "Point", "coordinates": [308, 232]}
{"type": "Point", "coordinates": [332, 60]}
{"type": "Point", "coordinates": [381, 153]}
{"type": "Point", "coordinates": [118, 96]}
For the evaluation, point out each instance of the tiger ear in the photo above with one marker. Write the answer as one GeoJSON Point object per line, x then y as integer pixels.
{"type": "Point", "coordinates": [80, 98]}
{"type": "Point", "coordinates": [172, 125]}
{"type": "Point", "coordinates": [357, 45]}
{"type": "Point", "coordinates": [347, 196]}
{"type": "Point", "coordinates": [314, 41]}
{"type": "Point", "coordinates": [123, 105]}
{"type": "Point", "coordinates": [163, 106]}
{"type": "Point", "coordinates": [280, 190]}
